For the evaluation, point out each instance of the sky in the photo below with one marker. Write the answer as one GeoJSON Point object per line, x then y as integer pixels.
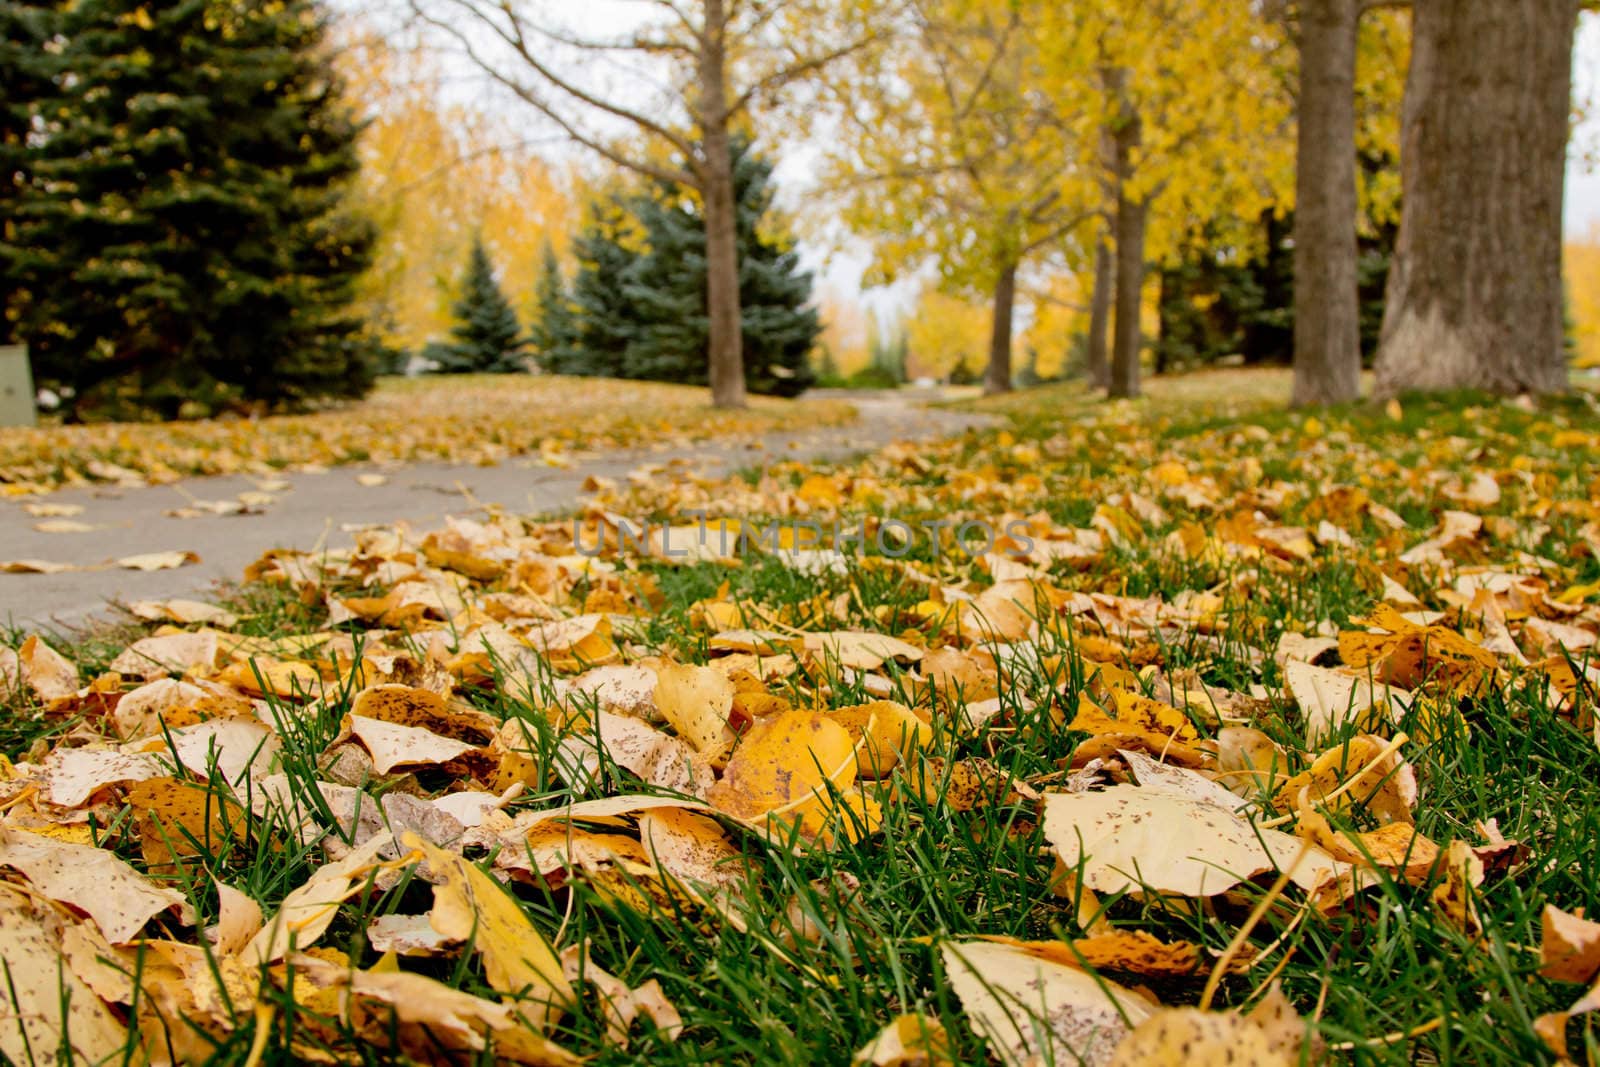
{"type": "Point", "coordinates": [1583, 181]}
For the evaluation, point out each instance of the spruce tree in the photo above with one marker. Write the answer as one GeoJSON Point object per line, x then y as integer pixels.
{"type": "Point", "coordinates": [486, 338]}
{"type": "Point", "coordinates": [180, 236]}
{"type": "Point", "coordinates": [552, 333]}
{"type": "Point", "coordinates": [27, 71]}
{"type": "Point", "coordinates": [606, 319]}
{"type": "Point", "coordinates": [666, 290]}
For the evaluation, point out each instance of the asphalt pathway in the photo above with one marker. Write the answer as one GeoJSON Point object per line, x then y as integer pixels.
{"type": "Point", "coordinates": [315, 509]}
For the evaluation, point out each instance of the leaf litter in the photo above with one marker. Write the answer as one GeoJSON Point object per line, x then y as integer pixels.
{"type": "Point", "coordinates": [408, 799]}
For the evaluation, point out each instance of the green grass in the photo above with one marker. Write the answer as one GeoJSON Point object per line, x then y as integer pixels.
{"type": "Point", "coordinates": [874, 909]}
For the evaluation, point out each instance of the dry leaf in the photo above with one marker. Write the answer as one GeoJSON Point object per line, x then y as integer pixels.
{"type": "Point", "coordinates": [158, 561]}
{"type": "Point", "coordinates": [696, 701]}
{"type": "Point", "coordinates": [118, 898]}
{"type": "Point", "coordinates": [1131, 838]}
{"type": "Point", "coordinates": [907, 1041]}
{"type": "Point", "coordinates": [1034, 1011]}
{"type": "Point", "coordinates": [468, 904]}
{"type": "Point", "coordinates": [307, 912]}
{"type": "Point", "coordinates": [47, 1003]}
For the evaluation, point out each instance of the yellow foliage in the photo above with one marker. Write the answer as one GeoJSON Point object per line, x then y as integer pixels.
{"type": "Point", "coordinates": [1583, 293]}
{"type": "Point", "coordinates": [432, 175]}
{"type": "Point", "coordinates": [947, 332]}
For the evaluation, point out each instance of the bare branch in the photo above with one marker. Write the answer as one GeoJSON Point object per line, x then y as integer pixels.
{"type": "Point", "coordinates": [517, 41]}
{"type": "Point", "coordinates": [800, 69]}
{"type": "Point", "coordinates": [545, 108]}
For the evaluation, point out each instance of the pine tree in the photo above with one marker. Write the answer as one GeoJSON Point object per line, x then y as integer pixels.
{"type": "Point", "coordinates": [27, 71]}
{"type": "Point", "coordinates": [605, 319]}
{"type": "Point", "coordinates": [486, 338]}
{"type": "Point", "coordinates": [180, 237]}
{"type": "Point", "coordinates": [552, 333]}
{"type": "Point", "coordinates": [644, 314]}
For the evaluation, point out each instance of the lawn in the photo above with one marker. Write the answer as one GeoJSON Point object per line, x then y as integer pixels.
{"type": "Point", "coordinates": [454, 418]}
{"type": "Point", "coordinates": [1282, 716]}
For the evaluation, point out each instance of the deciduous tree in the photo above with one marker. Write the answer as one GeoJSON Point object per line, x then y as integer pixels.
{"type": "Point", "coordinates": [1475, 296]}
{"type": "Point", "coordinates": [953, 154]}
{"type": "Point", "coordinates": [723, 60]}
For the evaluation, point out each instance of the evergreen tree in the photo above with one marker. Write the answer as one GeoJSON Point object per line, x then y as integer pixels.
{"type": "Point", "coordinates": [1028, 376]}
{"type": "Point", "coordinates": [179, 236]}
{"type": "Point", "coordinates": [604, 318]}
{"type": "Point", "coordinates": [27, 71]}
{"type": "Point", "coordinates": [486, 338]}
{"type": "Point", "coordinates": [552, 335]}
{"type": "Point", "coordinates": [643, 314]}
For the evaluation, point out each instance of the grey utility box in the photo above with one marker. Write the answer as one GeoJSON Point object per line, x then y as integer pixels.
{"type": "Point", "coordinates": [16, 387]}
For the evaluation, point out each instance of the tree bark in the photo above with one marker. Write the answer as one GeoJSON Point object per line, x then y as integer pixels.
{"type": "Point", "coordinates": [1327, 323]}
{"type": "Point", "coordinates": [1124, 379]}
{"type": "Point", "coordinates": [726, 328]}
{"type": "Point", "coordinates": [998, 377]}
{"type": "Point", "coordinates": [1100, 315]}
{"type": "Point", "coordinates": [1130, 228]}
{"type": "Point", "coordinates": [1475, 297]}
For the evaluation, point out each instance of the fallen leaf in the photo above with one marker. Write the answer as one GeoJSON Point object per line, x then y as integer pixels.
{"type": "Point", "coordinates": [48, 1005]}
{"type": "Point", "coordinates": [118, 898]}
{"type": "Point", "coordinates": [1130, 839]}
{"type": "Point", "coordinates": [306, 912]}
{"type": "Point", "coordinates": [1570, 949]}
{"type": "Point", "coordinates": [1034, 1011]}
{"type": "Point", "coordinates": [914, 1040]}
{"type": "Point", "coordinates": [696, 701]}
{"type": "Point", "coordinates": [158, 561]}
{"type": "Point", "coordinates": [517, 960]}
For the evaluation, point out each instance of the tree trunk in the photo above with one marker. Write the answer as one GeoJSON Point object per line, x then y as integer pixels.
{"type": "Point", "coordinates": [998, 377]}
{"type": "Point", "coordinates": [1327, 323]}
{"type": "Point", "coordinates": [1100, 315]}
{"type": "Point", "coordinates": [1130, 227]}
{"type": "Point", "coordinates": [726, 370]}
{"type": "Point", "coordinates": [1130, 287]}
{"type": "Point", "coordinates": [1475, 297]}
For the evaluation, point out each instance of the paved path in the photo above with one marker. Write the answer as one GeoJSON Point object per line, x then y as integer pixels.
{"type": "Point", "coordinates": [315, 507]}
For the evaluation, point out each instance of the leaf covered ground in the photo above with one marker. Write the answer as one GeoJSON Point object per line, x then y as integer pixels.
{"type": "Point", "coordinates": [1254, 734]}
{"type": "Point", "coordinates": [456, 419]}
